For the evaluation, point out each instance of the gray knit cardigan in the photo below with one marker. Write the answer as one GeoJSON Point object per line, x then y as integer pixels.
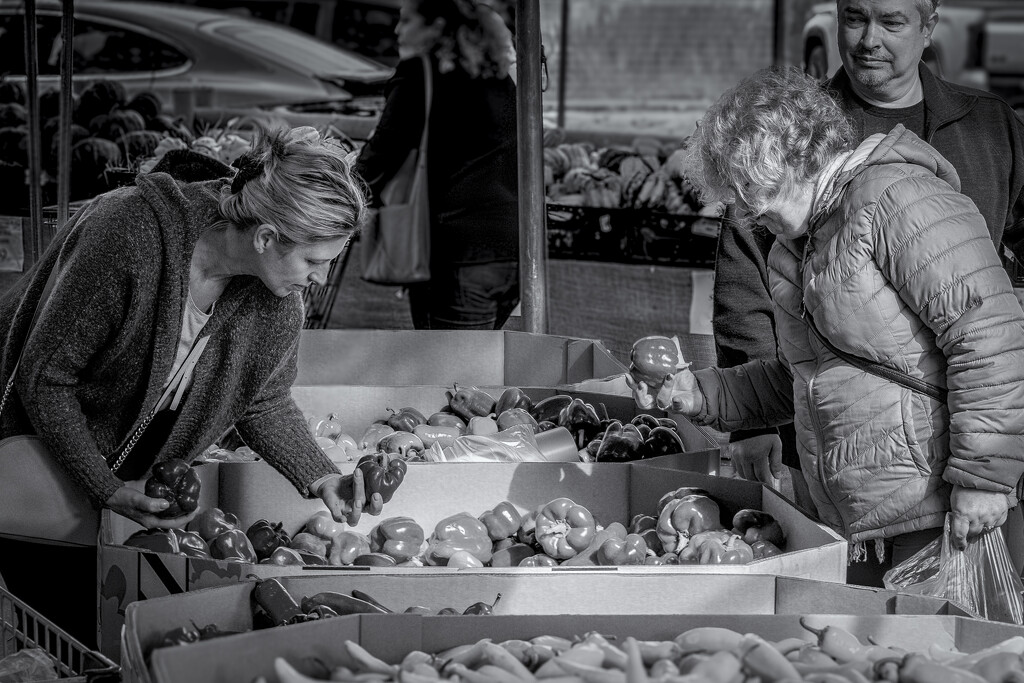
{"type": "Point", "coordinates": [105, 341]}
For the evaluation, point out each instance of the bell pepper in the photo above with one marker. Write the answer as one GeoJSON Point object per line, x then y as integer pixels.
{"type": "Point", "coordinates": [463, 559]}
{"type": "Point", "coordinates": [283, 556]}
{"type": "Point", "coordinates": [663, 441]}
{"type": "Point", "coordinates": [682, 518]}
{"type": "Point", "coordinates": [588, 556]}
{"type": "Point", "coordinates": [266, 537]}
{"type": "Point", "coordinates": [212, 522]}
{"type": "Point", "coordinates": [382, 474]}
{"type": "Point", "coordinates": [469, 402]}
{"type": "Point", "coordinates": [309, 543]}
{"type": "Point", "coordinates": [564, 528]}
{"type": "Point", "coordinates": [527, 532]}
{"type": "Point", "coordinates": [346, 547]}
{"type": "Point", "coordinates": [374, 560]}
{"type": "Point", "coordinates": [443, 435]}
{"type": "Point", "coordinates": [716, 547]}
{"type": "Point", "coordinates": [512, 555]}
{"type": "Point", "coordinates": [515, 416]}
{"type": "Point", "coordinates": [645, 419]}
{"type": "Point", "coordinates": [322, 524]}
{"type": "Point", "coordinates": [548, 409]}
{"type": "Point", "coordinates": [404, 444]}
{"type": "Point", "coordinates": [441, 419]}
{"type": "Point", "coordinates": [233, 545]}
{"type": "Point", "coordinates": [373, 434]}
{"type": "Point", "coordinates": [460, 531]}
{"type": "Point", "coordinates": [539, 560]}
{"type": "Point", "coordinates": [183, 635]}
{"type": "Point", "coordinates": [681, 492]}
{"type": "Point", "coordinates": [191, 544]}
{"type": "Point", "coordinates": [502, 521]}
{"type": "Point", "coordinates": [405, 419]}
{"type": "Point", "coordinates": [654, 358]}
{"type": "Point", "coordinates": [589, 452]}
{"type": "Point", "coordinates": [580, 418]}
{"type": "Point", "coordinates": [328, 427]}
{"type": "Point", "coordinates": [173, 541]}
{"type": "Point", "coordinates": [481, 426]}
{"type": "Point", "coordinates": [754, 525]}
{"type": "Point", "coordinates": [177, 483]}
{"type": "Point", "coordinates": [618, 552]}
{"type": "Point", "coordinates": [621, 443]}
{"type": "Point", "coordinates": [397, 537]}
{"type": "Point", "coordinates": [513, 397]}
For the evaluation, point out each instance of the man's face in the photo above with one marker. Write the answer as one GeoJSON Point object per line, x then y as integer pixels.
{"type": "Point", "coordinates": [881, 42]}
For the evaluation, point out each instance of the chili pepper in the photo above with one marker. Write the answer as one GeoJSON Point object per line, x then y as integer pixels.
{"type": "Point", "coordinates": [447, 420]}
{"type": "Point", "coordinates": [619, 552]}
{"type": "Point", "coordinates": [266, 537]}
{"type": "Point", "coordinates": [516, 416]}
{"type": "Point", "coordinates": [382, 474]}
{"type": "Point", "coordinates": [212, 522]}
{"type": "Point", "coordinates": [861, 667]}
{"type": "Point", "coordinates": [373, 434]}
{"type": "Point", "coordinates": [233, 545]}
{"type": "Point", "coordinates": [513, 397]}
{"type": "Point", "coordinates": [177, 483]}
{"type": "Point", "coordinates": [340, 603]}
{"type": "Point", "coordinates": [405, 444]}
{"type": "Point", "coordinates": [664, 669]}
{"type": "Point", "coordinates": [374, 560]}
{"type": "Point", "coordinates": [564, 528]}
{"type": "Point", "coordinates": [1014, 644]}
{"type": "Point", "coordinates": [443, 436]}
{"type": "Point", "coordinates": [469, 402]}
{"type": "Point", "coordinates": [360, 595]}
{"type": "Point", "coordinates": [368, 662]}
{"type": "Point", "coordinates": [512, 556]}
{"type": "Point", "coordinates": [708, 639]}
{"type": "Point", "coordinates": [652, 359]}
{"type": "Point", "coordinates": [754, 525]}
{"type": "Point", "coordinates": [716, 547]}
{"type": "Point", "coordinates": [721, 667]}
{"type": "Point", "coordinates": [503, 659]}
{"type": "Point", "coordinates": [346, 547]}
{"type": "Point", "coordinates": [620, 443]}
{"type": "Point", "coordinates": [825, 677]}
{"type": "Point", "coordinates": [999, 667]}
{"type": "Point", "coordinates": [590, 673]}
{"type": "Point", "coordinates": [843, 646]}
{"type": "Point", "coordinates": [460, 531]}
{"type": "Point", "coordinates": [548, 409]}
{"type": "Point", "coordinates": [682, 518]}
{"type": "Point", "coordinates": [405, 419]}
{"type": "Point", "coordinates": [283, 556]}
{"type": "Point", "coordinates": [502, 520]}
{"type": "Point", "coordinates": [482, 608]}
{"type": "Point", "coordinates": [275, 600]}
{"type": "Point", "coordinates": [580, 418]}
{"type": "Point", "coordinates": [539, 560]}
{"type": "Point", "coordinates": [760, 658]}
{"type": "Point", "coordinates": [636, 672]}
{"type": "Point", "coordinates": [811, 654]}
{"type": "Point", "coordinates": [662, 441]}
{"type": "Point", "coordinates": [917, 668]}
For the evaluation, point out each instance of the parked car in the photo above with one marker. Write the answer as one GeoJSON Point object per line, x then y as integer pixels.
{"type": "Point", "coordinates": [978, 43]}
{"type": "Point", "coordinates": [228, 60]}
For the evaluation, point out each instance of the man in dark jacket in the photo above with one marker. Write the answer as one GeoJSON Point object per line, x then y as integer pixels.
{"type": "Point", "coordinates": [882, 83]}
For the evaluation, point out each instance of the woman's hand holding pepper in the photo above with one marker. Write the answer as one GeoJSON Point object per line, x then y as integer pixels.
{"type": "Point", "coordinates": [139, 507]}
{"type": "Point", "coordinates": [975, 511]}
{"type": "Point", "coordinates": [678, 394]}
{"type": "Point", "coordinates": [345, 497]}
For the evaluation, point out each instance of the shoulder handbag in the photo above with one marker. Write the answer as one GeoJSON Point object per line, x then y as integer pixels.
{"type": "Point", "coordinates": [883, 371]}
{"type": "Point", "coordinates": [395, 241]}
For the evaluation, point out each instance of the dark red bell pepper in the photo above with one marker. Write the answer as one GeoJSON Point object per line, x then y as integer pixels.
{"type": "Point", "coordinates": [173, 541]}
{"type": "Point", "coordinates": [398, 537]}
{"type": "Point", "coordinates": [212, 522]}
{"type": "Point", "coordinates": [502, 521]}
{"type": "Point", "coordinates": [512, 397]}
{"type": "Point", "coordinates": [580, 418]}
{"type": "Point", "coordinates": [621, 443]}
{"type": "Point", "coordinates": [683, 518]}
{"type": "Point", "coordinates": [716, 547]}
{"type": "Point", "coordinates": [177, 483]}
{"type": "Point", "coordinates": [233, 545]}
{"type": "Point", "coordinates": [266, 537]}
{"type": "Point", "coordinates": [191, 544]}
{"type": "Point", "coordinates": [663, 441]}
{"type": "Point", "coordinates": [405, 419]}
{"type": "Point", "coordinates": [754, 525]}
{"type": "Point", "coordinates": [548, 409]}
{"type": "Point", "coordinates": [460, 531]}
{"type": "Point", "coordinates": [617, 552]}
{"type": "Point", "coordinates": [382, 474]}
{"type": "Point", "coordinates": [564, 528]}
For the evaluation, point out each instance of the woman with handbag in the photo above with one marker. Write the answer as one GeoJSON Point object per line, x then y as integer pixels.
{"type": "Point", "coordinates": [901, 342]}
{"type": "Point", "coordinates": [452, 100]}
{"type": "Point", "coordinates": [161, 315]}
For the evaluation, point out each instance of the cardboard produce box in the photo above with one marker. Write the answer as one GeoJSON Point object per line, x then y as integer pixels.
{"type": "Point", "coordinates": [391, 637]}
{"type": "Point", "coordinates": [551, 593]}
{"type": "Point", "coordinates": [613, 492]}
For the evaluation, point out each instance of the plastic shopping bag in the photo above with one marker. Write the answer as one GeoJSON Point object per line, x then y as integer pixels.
{"type": "Point", "coordinates": [979, 579]}
{"type": "Point", "coordinates": [515, 444]}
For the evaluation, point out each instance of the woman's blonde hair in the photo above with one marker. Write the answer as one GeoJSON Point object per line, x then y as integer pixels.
{"type": "Point", "coordinates": [775, 128]}
{"type": "Point", "coordinates": [299, 181]}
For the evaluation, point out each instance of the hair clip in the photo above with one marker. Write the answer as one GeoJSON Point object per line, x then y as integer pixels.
{"type": "Point", "coordinates": [248, 168]}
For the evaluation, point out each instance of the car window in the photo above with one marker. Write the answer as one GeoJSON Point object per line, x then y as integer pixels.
{"type": "Point", "coordinates": [305, 54]}
{"type": "Point", "coordinates": [107, 48]}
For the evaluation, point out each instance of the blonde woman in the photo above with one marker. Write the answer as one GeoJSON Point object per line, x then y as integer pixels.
{"type": "Point", "coordinates": [877, 249]}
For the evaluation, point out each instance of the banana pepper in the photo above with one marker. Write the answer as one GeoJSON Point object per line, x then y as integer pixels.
{"type": "Point", "coordinates": [564, 528]}
{"type": "Point", "coordinates": [461, 531]}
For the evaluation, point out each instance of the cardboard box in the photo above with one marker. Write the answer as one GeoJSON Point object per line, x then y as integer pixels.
{"type": "Point", "coordinates": [613, 492]}
{"type": "Point", "coordinates": [551, 593]}
{"type": "Point", "coordinates": [442, 357]}
{"type": "Point", "coordinates": [391, 637]}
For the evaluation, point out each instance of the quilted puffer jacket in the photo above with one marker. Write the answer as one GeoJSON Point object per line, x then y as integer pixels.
{"type": "Point", "coordinates": [897, 267]}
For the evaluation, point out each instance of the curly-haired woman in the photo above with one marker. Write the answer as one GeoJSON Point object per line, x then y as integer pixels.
{"type": "Point", "coordinates": [471, 158]}
{"type": "Point", "coordinates": [877, 249]}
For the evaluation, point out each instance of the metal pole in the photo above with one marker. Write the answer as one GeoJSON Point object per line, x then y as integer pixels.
{"type": "Point", "coordinates": [779, 33]}
{"type": "Point", "coordinates": [67, 61]}
{"type": "Point", "coordinates": [563, 62]}
{"type": "Point", "coordinates": [533, 248]}
{"type": "Point", "coordinates": [35, 195]}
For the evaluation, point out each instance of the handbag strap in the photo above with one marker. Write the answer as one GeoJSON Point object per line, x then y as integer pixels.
{"type": "Point", "coordinates": [879, 370]}
{"type": "Point", "coordinates": [428, 86]}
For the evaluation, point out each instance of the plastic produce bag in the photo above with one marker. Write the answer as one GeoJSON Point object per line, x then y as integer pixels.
{"type": "Point", "coordinates": [980, 579]}
{"type": "Point", "coordinates": [31, 664]}
{"type": "Point", "coordinates": [515, 444]}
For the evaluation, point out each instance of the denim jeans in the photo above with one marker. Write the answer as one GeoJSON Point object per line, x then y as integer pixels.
{"type": "Point", "coordinates": [472, 297]}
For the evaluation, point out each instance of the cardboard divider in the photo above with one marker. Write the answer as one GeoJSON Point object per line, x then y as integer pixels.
{"type": "Point", "coordinates": [391, 637]}
{"type": "Point", "coordinates": [548, 593]}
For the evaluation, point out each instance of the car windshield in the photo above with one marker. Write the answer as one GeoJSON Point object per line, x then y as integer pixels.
{"type": "Point", "coordinates": [301, 52]}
